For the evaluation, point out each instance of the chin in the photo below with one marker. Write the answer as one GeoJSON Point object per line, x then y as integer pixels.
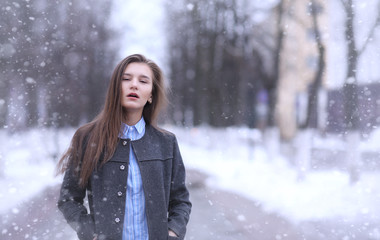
{"type": "Point", "coordinates": [133, 107]}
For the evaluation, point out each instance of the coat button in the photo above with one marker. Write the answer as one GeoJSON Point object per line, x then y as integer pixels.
{"type": "Point", "coordinates": [122, 167]}
{"type": "Point", "coordinates": [125, 143]}
{"type": "Point", "coordinates": [117, 220]}
{"type": "Point", "coordinates": [119, 193]}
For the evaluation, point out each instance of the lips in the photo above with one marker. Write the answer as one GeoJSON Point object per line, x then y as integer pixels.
{"type": "Point", "coordinates": [133, 95]}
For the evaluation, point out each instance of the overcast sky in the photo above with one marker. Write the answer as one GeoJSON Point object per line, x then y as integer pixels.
{"type": "Point", "coordinates": [143, 22]}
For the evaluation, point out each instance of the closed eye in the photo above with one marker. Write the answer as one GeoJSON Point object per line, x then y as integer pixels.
{"type": "Point", "coordinates": [144, 79]}
{"type": "Point", "coordinates": [126, 77]}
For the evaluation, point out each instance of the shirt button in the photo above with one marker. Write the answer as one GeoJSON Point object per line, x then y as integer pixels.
{"type": "Point", "coordinates": [119, 193]}
{"type": "Point", "coordinates": [122, 167]}
{"type": "Point", "coordinates": [117, 220]}
{"type": "Point", "coordinates": [124, 143]}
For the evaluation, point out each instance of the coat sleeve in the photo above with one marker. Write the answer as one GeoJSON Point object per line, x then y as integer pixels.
{"type": "Point", "coordinates": [179, 203]}
{"type": "Point", "coordinates": [70, 203]}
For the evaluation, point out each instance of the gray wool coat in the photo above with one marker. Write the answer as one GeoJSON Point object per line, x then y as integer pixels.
{"type": "Point", "coordinates": [166, 196]}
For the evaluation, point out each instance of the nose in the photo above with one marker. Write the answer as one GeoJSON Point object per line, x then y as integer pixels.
{"type": "Point", "coordinates": [134, 82]}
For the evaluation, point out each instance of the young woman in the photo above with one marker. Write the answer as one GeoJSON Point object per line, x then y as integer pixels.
{"type": "Point", "coordinates": [131, 171]}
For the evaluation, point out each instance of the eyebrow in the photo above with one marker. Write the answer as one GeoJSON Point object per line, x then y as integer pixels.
{"type": "Point", "coordinates": [142, 75]}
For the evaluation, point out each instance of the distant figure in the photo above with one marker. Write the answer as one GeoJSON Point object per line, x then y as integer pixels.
{"type": "Point", "coordinates": [131, 171]}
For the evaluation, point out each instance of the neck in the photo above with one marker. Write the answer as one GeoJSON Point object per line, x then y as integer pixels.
{"type": "Point", "coordinates": [131, 118]}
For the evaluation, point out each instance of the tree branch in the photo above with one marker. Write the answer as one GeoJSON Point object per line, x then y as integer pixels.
{"type": "Point", "coordinates": [371, 33]}
{"type": "Point", "coordinates": [345, 5]}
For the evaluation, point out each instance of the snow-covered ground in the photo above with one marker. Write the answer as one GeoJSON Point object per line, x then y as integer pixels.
{"type": "Point", "coordinates": [27, 164]}
{"type": "Point", "coordinates": [237, 159]}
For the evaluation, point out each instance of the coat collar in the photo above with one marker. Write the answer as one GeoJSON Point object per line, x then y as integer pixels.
{"type": "Point", "coordinates": [155, 144]}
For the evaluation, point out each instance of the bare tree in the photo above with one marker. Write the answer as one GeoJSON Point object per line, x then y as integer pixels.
{"type": "Point", "coordinates": [56, 61]}
{"type": "Point", "coordinates": [211, 53]}
{"type": "Point", "coordinates": [350, 88]}
{"type": "Point", "coordinates": [313, 97]}
{"type": "Point", "coordinates": [270, 78]}
{"type": "Point", "coordinates": [302, 143]}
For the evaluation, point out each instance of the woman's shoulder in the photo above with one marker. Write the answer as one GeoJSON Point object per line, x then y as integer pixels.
{"type": "Point", "coordinates": [84, 131]}
{"type": "Point", "coordinates": [161, 132]}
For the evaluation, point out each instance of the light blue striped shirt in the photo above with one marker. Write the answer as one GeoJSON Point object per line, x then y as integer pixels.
{"type": "Point", "coordinates": [135, 223]}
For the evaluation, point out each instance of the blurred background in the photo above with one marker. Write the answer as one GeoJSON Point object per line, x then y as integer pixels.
{"type": "Point", "coordinates": [276, 105]}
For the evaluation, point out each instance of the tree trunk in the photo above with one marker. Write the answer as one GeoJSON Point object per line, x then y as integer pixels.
{"type": "Point", "coordinates": [31, 104]}
{"type": "Point", "coordinates": [350, 90]}
{"type": "Point", "coordinates": [313, 100]}
{"type": "Point", "coordinates": [350, 86]}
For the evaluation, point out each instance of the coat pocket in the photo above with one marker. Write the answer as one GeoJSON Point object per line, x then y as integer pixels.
{"type": "Point", "coordinates": [86, 228]}
{"type": "Point", "coordinates": [173, 238]}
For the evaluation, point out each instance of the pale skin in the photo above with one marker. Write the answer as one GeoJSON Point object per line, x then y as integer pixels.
{"type": "Point", "coordinates": [136, 89]}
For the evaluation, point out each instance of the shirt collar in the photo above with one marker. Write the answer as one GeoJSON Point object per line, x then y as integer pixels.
{"type": "Point", "coordinates": [140, 127]}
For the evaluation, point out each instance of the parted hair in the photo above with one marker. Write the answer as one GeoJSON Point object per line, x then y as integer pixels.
{"type": "Point", "coordinates": [94, 143]}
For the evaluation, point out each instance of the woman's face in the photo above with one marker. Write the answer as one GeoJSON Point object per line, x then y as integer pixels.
{"type": "Point", "coordinates": [137, 85]}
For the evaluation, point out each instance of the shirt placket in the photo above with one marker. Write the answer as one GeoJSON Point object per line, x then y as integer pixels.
{"type": "Point", "coordinates": [135, 225]}
{"type": "Point", "coordinates": [130, 187]}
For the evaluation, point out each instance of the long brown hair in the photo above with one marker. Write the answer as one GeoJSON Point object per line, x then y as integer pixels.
{"type": "Point", "coordinates": [95, 142]}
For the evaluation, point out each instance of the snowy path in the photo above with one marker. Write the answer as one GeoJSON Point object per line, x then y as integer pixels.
{"type": "Point", "coordinates": [37, 219]}
{"type": "Point", "coordinates": [223, 215]}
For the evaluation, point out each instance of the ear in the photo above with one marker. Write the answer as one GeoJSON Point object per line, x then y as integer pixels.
{"type": "Point", "coordinates": [150, 99]}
